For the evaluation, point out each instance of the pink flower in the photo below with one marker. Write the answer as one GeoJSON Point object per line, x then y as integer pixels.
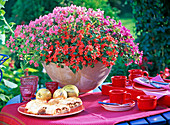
{"type": "Point", "coordinates": [12, 39]}
{"type": "Point", "coordinates": [167, 70]}
{"type": "Point", "coordinates": [21, 55]}
{"type": "Point", "coordinates": [28, 50]}
{"type": "Point", "coordinates": [11, 51]}
{"type": "Point", "coordinates": [31, 45]}
{"type": "Point", "coordinates": [16, 48]}
{"type": "Point", "coordinates": [48, 39]}
{"type": "Point", "coordinates": [36, 64]}
{"type": "Point", "coordinates": [31, 61]}
{"type": "Point", "coordinates": [22, 36]}
{"type": "Point", "coordinates": [22, 46]}
{"type": "Point", "coordinates": [7, 45]}
{"type": "Point", "coordinates": [24, 51]}
{"type": "Point", "coordinates": [13, 44]}
{"type": "Point", "coordinates": [41, 48]}
{"type": "Point", "coordinates": [27, 41]}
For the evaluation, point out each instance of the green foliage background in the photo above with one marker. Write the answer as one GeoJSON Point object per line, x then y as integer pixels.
{"type": "Point", "coordinates": [153, 31]}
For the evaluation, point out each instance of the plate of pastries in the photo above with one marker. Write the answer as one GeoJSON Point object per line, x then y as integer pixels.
{"type": "Point", "coordinates": [46, 105]}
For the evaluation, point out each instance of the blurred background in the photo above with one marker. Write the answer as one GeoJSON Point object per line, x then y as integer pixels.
{"type": "Point", "coordinates": [148, 21]}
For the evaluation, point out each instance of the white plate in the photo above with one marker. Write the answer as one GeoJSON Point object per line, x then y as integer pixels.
{"type": "Point", "coordinates": [118, 107]}
{"type": "Point", "coordinates": [22, 110]}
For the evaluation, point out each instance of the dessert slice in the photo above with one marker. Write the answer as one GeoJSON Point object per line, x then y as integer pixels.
{"type": "Point", "coordinates": [72, 102]}
{"type": "Point", "coordinates": [56, 109]}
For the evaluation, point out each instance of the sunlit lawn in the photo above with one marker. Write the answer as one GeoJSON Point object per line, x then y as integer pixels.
{"type": "Point", "coordinates": [129, 23]}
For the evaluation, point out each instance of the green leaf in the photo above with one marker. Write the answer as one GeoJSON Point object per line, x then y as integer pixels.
{"type": "Point", "coordinates": [4, 97]}
{"type": "Point", "coordinates": [10, 84]}
{"type": "Point", "coordinates": [2, 3]}
{"type": "Point", "coordinates": [32, 70]}
{"type": "Point", "coordinates": [12, 23]}
{"type": "Point", "coordinates": [89, 53]}
{"type": "Point", "coordinates": [3, 88]}
{"type": "Point", "coordinates": [43, 58]}
{"type": "Point", "coordinates": [2, 12]}
{"type": "Point", "coordinates": [47, 63]}
{"type": "Point", "coordinates": [19, 70]}
{"type": "Point", "coordinates": [74, 70]}
{"type": "Point", "coordinates": [1, 6]}
{"type": "Point", "coordinates": [17, 79]}
{"type": "Point", "coordinates": [80, 66]}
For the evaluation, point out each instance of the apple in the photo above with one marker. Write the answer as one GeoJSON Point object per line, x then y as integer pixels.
{"type": "Point", "coordinates": [60, 93]}
{"type": "Point", "coordinates": [72, 90]}
{"type": "Point", "coordinates": [43, 94]}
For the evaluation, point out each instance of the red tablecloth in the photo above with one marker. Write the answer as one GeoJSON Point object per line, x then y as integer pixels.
{"type": "Point", "coordinates": [93, 114]}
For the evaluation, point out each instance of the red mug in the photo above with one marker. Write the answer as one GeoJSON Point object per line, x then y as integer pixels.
{"type": "Point", "coordinates": [119, 96]}
{"type": "Point", "coordinates": [134, 73]}
{"type": "Point", "coordinates": [119, 81]}
{"type": "Point", "coordinates": [52, 86]}
{"type": "Point", "coordinates": [146, 102]}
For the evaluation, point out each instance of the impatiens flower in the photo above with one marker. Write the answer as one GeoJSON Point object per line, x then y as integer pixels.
{"type": "Point", "coordinates": [36, 64]}
{"type": "Point", "coordinates": [31, 61]}
{"type": "Point", "coordinates": [41, 48]}
{"type": "Point", "coordinates": [48, 39]}
{"type": "Point", "coordinates": [31, 45]}
{"type": "Point", "coordinates": [24, 51]}
{"type": "Point", "coordinates": [7, 45]}
{"type": "Point", "coordinates": [22, 46]}
{"type": "Point", "coordinates": [16, 48]}
{"type": "Point", "coordinates": [75, 36]}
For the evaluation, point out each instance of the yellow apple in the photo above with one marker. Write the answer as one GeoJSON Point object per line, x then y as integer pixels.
{"type": "Point", "coordinates": [72, 90]}
{"type": "Point", "coordinates": [43, 94]}
{"type": "Point", "coordinates": [60, 93]}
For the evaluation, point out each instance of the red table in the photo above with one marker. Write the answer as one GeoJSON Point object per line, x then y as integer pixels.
{"type": "Point", "coordinates": [93, 114]}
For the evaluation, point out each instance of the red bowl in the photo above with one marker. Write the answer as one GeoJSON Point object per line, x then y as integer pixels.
{"type": "Point", "coordinates": [146, 102]}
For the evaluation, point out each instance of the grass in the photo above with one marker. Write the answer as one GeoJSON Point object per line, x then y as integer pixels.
{"type": "Point", "coordinates": [129, 23]}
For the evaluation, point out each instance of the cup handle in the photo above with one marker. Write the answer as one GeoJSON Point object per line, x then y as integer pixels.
{"type": "Point", "coordinates": [145, 72]}
{"type": "Point", "coordinates": [128, 82]}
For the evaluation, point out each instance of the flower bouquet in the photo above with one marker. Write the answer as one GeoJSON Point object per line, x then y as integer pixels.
{"type": "Point", "coordinates": [75, 37]}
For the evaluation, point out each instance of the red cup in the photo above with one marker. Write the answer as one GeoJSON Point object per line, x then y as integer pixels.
{"type": "Point", "coordinates": [30, 80]}
{"type": "Point", "coordinates": [26, 92]}
{"type": "Point", "coordinates": [146, 102]}
{"type": "Point", "coordinates": [52, 86]}
{"type": "Point", "coordinates": [119, 96]}
{"type": "Point", "coordinates": [119, 81]}
{"type": "Point", "coordinates": [134, 73]}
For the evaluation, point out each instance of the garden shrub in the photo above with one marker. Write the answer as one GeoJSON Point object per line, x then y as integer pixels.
{"type": "Point", "coordinates": [152, 30]}
{"type": "Point", "coordinates": [25, 10]}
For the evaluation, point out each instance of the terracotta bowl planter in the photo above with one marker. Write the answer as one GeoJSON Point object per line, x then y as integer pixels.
{"type": "Point", "coordinates": [86, 79]}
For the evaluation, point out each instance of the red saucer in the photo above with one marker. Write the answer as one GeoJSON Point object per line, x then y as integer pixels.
{"type": "Point", "coordinates": [120, 107]}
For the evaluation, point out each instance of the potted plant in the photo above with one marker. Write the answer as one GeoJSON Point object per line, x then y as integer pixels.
{"type": "Point", "coordinates": [75, 38]}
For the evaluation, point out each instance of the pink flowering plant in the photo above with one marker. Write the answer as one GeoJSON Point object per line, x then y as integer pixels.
{"type": "Point", "coordinates": [76, 37]}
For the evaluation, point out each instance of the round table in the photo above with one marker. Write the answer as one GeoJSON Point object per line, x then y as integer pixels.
{"type": "Point", "coordinates": [94, 114]}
